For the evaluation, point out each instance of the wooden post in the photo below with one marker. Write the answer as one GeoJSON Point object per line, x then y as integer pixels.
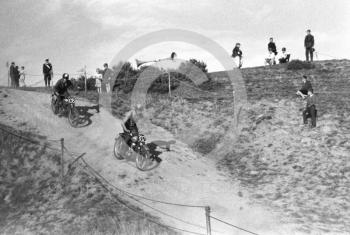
{"type": "Point", "coordinates": [62, 163]}
{"type": "Point", "coordinates": [85, 79]}
{"type": "Point", "coordinates": [169, 84]}
{"type": "Point", "coordinates": [207, 216]}
{"type": "Point", "coordinates": [8, 73]}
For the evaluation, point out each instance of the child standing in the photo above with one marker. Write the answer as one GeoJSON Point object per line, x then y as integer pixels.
{"type": "Point", "coordinates": [22, 77]}
{"type": "Point", "coordinates": [98, 81]}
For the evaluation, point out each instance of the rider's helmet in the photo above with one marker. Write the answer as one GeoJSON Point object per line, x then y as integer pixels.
{"type": "Point", "coordinates": [65, 76]}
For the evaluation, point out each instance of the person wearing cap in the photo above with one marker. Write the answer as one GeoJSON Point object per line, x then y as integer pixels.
{"type": "Point", "coordinates": [305, 87]}
{"type": "Point", "coordinates": [309, 43]}
{"type": "Point", "coordinates": [237, 55]}
{"type": "Point", "coordinates": [61, 90]}
{"type": "Point", "coordinates": [47, 71]}
{"type": "Point", "coordinates": [310, 110]}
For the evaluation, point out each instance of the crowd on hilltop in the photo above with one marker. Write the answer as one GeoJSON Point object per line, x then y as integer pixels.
{"type": "Point", "coordinates": [273, 55]}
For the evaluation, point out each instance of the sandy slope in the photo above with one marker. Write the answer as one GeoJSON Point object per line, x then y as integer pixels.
{"type": "Point", "coordinates": [182, 177]}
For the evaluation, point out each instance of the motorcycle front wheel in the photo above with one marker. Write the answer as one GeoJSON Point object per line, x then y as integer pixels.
{"type": "Point", "coordinates": [54, 106]}
{"type": "Point", "coordinates": [118, 146]}
{"type": "Point", "coordinates": [73, 117]}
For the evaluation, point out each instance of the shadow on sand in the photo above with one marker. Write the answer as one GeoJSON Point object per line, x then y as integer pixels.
{"type": "Point", "coordinates": [85, 115]}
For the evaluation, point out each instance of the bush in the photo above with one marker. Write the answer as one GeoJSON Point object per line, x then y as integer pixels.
{"type": "Point", "coordinates": [79, 84]}
{"type": "Point", "coordinates": [161, 84]}
{"type": "Point", "coordinates": [298, 64]}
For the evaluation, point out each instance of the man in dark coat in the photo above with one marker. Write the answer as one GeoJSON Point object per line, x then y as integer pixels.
{"type": "Point", "coordinates": [16, 76]}
{"type": "Point", "coordinates": [309, 43]}
{"type": "Point", "coordinates": [13, 74]}
{"type": "Point", "coordinates": [47, 71]}
{"type": "Point", "coordinates": [237, 55]}
{"type": "Point", "coordinates": [272, 46]}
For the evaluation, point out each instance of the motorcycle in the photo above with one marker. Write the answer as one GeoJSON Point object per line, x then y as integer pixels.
{"type": "Point", "coordinates": [69, 109]}
{"type": "Point", "coordinates": [136, 148]}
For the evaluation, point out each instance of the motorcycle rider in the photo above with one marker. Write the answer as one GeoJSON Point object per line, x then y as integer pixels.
{"type": "Point", "coordinates": [129, 122]}
{"type": "Point", "coordinates": [60, 90]}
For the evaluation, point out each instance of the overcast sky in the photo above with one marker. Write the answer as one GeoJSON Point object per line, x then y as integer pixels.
{"type": "Point", "coordinates": [75, 33]}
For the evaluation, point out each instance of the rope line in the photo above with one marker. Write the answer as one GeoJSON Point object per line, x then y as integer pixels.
{"type": "Point", "coordinates": [98, 176]}
{"type": "Point", "coordinates": [36, 142]}
{"type": "Point", "coordinates": [138, 196]}
{"type": "Point", "coordinates": [121, 202]}
{"type": "Point", "coordinates": [227, 223]}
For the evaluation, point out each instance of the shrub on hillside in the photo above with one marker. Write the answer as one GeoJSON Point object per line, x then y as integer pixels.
{"type": "Point", "coordinates": [79, 84]}
{"type": "Point", "coordinates": [161, 84]}
{"type": "Point", "coordinates": [298, 64]}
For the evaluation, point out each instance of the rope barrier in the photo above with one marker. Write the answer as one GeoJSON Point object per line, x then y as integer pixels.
{"type": "Point", "coordinates": [229, 224]}
{"type": "Point", "coordinates": [138, 196]}
{"type": "Point", "coordinates": [29, 140]}
{"type": "Point", "coordinates": [99, 177]}
{"type": "Point", "coordinates": [121, 202]}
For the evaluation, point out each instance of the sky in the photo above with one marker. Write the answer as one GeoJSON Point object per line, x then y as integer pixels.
{"type": "Point", "coordinates": [75, 33]}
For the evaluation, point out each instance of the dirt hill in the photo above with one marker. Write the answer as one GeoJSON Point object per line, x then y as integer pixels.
{"type": "Point", "coordinates": [281, 178]}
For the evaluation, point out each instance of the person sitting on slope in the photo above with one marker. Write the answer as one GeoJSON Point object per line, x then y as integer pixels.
{"type": "Point", "coordinates": [270, 60]}
{"type": "Point", "coordinates": [303, 92]}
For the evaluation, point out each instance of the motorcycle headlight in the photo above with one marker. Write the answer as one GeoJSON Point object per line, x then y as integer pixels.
{"type": "Point", "coordinates": [134, 139]}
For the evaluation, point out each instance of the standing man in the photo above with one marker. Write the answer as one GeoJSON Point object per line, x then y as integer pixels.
{"type": "Point", "coordinates": [272, 46]}
{"type": "Point", "coordinates": [17, 76]}
{"type": "Point", "coordinates": [237, 55]}
{"type": "Point", "coordinates": [13, 74]}
{"type": "Point", "coordinates": [47, 71]}
{"type": "Point", "coordinates": [309, 43]}
{"type": "Point", "coordinates": [310, 111]}
{"type": "Point", "coordinates": [107, 77]}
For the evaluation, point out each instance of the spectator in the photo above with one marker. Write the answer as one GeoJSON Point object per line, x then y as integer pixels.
{"type": "Point", "coordinates": [272, 46]}
{"type": "Point", "coordinates": [237, 55]}
{"type": "Point", "coordinates": [48, 72]}
{"type": "Point", "coordinates": [270, 60]}
{"type": "Point", "coordinates": [22, 77]}
{"type": "Point", "coordinates": [17, 77]}
{"type": "Point", "coordinates": [98, 78]}
{"type": "Point", "coordinates": [13, 74]}
{"type": "Point", "coordinates": [284, 58]}
{"type": "Point", "coordinates": [309, 43]}
{"type": "Point", "coordinates": [107, 75]}
{"type": "Point", "coordinates": [305, 87]}
{"type": "Point", "coordinates": [310, 111]}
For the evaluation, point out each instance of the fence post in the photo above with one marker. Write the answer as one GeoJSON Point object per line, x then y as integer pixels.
{"type": "Point", "coordinates": [207, 216]}
{"type": "Point", "coordinates": [62, 163]}
{"type": "Point", "coordinates": [169, 84]}
{"type": "Point", "coordinates": [85, 79]}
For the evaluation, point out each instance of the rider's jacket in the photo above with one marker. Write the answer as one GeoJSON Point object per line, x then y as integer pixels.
{"type": "Point", "coordinates": [61, 86]}
{"type": "Point", "coordinates": [130, 124]}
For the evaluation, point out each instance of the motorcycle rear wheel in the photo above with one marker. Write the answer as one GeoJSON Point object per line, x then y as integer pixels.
{"type": "Point", "coordinates": [142, 162]}
{"type": "Point", "coordinates": [118, 144]}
